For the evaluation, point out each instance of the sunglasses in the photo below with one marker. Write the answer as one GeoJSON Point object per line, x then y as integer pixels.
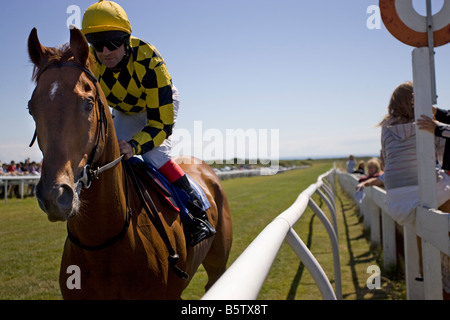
{"type": "Point", "coordinates": [110, 44]}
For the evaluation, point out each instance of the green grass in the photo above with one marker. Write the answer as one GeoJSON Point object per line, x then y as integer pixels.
{"type": "Point", "coordinates": [30, 251]}
{"type": "Point", "coordinates": [31, 247]}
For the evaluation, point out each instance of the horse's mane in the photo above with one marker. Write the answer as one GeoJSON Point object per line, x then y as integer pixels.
{"type": "Point", "coordinates": [57, 55]}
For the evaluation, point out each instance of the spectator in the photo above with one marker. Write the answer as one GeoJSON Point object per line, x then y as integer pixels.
{"type": "Point", "coordinates": [373, 179]}
{"type": "Point", "coordinates": [398, 140]}
{"type": "Point", "coordinates": [4, 168]}
{"type": "Point", "coordinates": [351, 164]}
{"type": "Point", "coordinates": [12, 169]}
{"type": "Point", "coordinates": [21, 168]}
{"type": "Point", "coordinates": [33, 170]}
{"type": "Point", "coordinates": [373, 168]}
{"type": "Point", "coordinates": [439, 126]}
{"type": "Point", "coordinates": [361, 168]}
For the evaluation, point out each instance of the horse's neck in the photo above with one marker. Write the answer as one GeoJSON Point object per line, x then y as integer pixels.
{"type": "Point", "coordinates": [103, 206]}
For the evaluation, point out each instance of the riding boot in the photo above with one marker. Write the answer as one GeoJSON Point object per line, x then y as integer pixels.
{"type": "Point", "coordinates": [200, 228]}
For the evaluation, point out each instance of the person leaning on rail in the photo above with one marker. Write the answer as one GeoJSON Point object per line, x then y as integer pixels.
{"type": "Point", "coordinates": [350, 164]}
{"type": "Point", "coordinates": [398, 142]}
{"type": "Point", "coordinates": [440, 127]}
{"type": "Point", "coordinates": [360, 167]}
{"type": "Point", "coordinates": [374, 177]}
{"type": "Point", "coordinates": [137, 85]}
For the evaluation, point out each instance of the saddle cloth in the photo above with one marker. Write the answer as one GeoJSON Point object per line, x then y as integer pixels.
{"type": "Point", "coordinates": [175, 197]}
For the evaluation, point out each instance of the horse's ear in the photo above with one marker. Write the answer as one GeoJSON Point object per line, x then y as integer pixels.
{"type": "Point", "coordinates": [36, 50]}
{"type": "Point", "coordinates": [79, 46]}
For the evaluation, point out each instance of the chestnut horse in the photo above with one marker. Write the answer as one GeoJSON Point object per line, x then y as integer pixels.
{"type": "Point", "coordinates": [113, 247]}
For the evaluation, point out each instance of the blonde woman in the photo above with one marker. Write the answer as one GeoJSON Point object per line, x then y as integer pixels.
{"type": "Point", "coordinates": [398, 143]}
{"type": "Point", "coordinates": [374, 174]}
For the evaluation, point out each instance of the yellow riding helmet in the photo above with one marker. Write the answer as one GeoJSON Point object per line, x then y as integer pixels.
{"type": "Point", "coordinates": [105, 16]}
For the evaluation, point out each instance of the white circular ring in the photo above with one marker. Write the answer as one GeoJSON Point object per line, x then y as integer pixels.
{"type": "Point", "coordinates": [416, 21]}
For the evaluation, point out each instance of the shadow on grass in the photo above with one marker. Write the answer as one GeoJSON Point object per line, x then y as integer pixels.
{"type": "Point", "coordinates": [301, 267]}
{"type": "Point", "coordinates": [390, 289]}
{"type": "Point", "coordinates": [356, 237]}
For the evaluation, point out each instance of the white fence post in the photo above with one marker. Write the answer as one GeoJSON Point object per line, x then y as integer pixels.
{"type": "Point", "coordinates": [414, 288]}
{"type": "Point", "coordinates": [373, 212]}
{"type": "Point", "coordinates": [433, 227]}
{"type": "Point", "coordinates": [432, 266]}
{"type": "Point", "coordinates": [389, 240]}
{"type": "Point", "coordinates": [426, 160]}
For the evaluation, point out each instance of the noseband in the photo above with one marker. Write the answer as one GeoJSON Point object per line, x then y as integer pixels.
{"type": "Point", "coordinates": [88, 174]}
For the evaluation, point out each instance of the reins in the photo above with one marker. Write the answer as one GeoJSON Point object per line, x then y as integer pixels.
{"type": "Point", "coordinates": [109, 242]}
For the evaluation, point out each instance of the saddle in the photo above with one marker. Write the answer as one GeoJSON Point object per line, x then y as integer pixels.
{"type": "Point", "coordinates": [134, 170]}
{"type": "Point", "coordinates": [175, 197]}
{"type": "Point", "coordinates": [142, 175]}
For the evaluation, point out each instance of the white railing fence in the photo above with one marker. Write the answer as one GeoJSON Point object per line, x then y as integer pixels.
{"type": "Point", "coordinates": [244, 278]}
{"type": "Point", "coordinates": [265, 171]}
{"type": "Point", "coordinates": [432, 225]}
{"type": "Point", "coordinates": [22, 181]}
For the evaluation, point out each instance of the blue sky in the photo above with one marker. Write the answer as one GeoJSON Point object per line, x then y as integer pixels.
{"type": "Point", "coordinates": [311, 69]}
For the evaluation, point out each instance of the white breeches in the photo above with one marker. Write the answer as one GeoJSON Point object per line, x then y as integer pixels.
{"type": "Point", "coordinates": [129, 124]}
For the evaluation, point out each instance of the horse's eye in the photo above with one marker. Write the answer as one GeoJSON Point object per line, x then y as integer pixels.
{"type": "Point", "coordinates": [89, 104]}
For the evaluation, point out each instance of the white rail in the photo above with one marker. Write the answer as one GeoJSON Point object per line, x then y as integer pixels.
{"type": "Point", "coordinates": [245, 277]}
{"type": "Point", "coordinates": [6, 181]}
{"type": "Point", "coordinates": [266, 171]}
{"type": "Point", "coordinates": [432, 225]}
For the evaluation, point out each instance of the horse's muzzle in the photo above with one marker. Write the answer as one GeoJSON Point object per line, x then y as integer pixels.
{"type": "Point", "coordinates": [59, 201]}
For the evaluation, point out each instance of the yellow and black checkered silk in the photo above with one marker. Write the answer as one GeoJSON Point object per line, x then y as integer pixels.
{"type": "Point", "coordinates": [144, 84]}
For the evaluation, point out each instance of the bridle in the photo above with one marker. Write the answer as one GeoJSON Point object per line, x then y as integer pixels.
{"type": "Point", "coordinates": [88, 174]}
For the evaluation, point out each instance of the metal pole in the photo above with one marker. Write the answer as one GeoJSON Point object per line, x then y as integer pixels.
{"type": "Point", "coordinates": [431, 49]}
{"type": "Point", "coordinates": [6, 191]}
{"type": "Point", "coordinates": [311, 264]}
{"type": "Point", "coordinates": [334, 246]}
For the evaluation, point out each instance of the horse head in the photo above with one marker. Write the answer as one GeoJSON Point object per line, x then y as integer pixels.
{"type": "Point", "coordinates": [67, 107]}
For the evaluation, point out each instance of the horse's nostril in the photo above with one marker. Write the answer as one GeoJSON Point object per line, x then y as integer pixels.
{"type": "Point", "coordinates": [56, 201]}
{"type": "Point", "coordinates": [64, 198]}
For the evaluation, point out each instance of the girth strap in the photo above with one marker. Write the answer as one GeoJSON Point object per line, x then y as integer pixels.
{"type": "Point", "coordinates": [152, 213]}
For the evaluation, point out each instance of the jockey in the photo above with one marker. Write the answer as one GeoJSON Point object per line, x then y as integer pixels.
{"type": "Point", "coordinates": [137, 85]}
